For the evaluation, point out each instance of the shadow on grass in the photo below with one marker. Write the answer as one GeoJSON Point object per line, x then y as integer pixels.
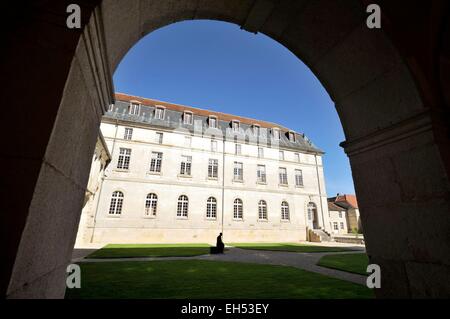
{"type": "Point", "coordinates": [198, 279]}
{"type": "Point", "coordinates": [353, 263]}
{"type": "Point", "coordinates": [150, 250]}
{"type": "Point", "coordinates": [300, 248]}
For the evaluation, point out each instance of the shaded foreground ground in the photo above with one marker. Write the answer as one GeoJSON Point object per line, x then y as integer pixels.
{"type": "Point", "coordinates": [207, 279]}
{"type": "Point", "coordinates": [354, 263]}
{"type": "Point", "coordinates": [301, 248]}
{"type": "Point", "coordinates": [150, 250]}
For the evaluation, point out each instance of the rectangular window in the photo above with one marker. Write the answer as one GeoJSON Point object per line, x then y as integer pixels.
{"type": "Point", "coordinates": [335, 226]}
{"type": "Point", "coordinates": [276, 133]}
{"type": "Point", "coordinates": [297, 157]}
{"type": "Point", "coordinates": [237, 149]}
{"type": "Point", "coordinates": [188, 118]}
{"type": "Point", "coordinates": [238, 171]}
{"type": "Point", "coordinates": [213, 146]}
{"type": "Point", "coordinates": [298, 177]}
{"type": "Point", "coordinates": [159, 138]}
{"type": "Point", "coordinates": [292, 136]}
{"type": "Point", "coordinates": [342, 225]}
{"type": "Point", "coordinates": [156, 162]}
{"type": "Point", "coordinates": [283, 175]}
{"type": "Point", "coordinates": [187, 141]}
{"type": "Point", "coordinates": [261, 174]}
{"type": "Point", "coordinates": [128, 133]}
{"type": "Point", "coordinates": [260, 152]}
{"type": "Point", "coordinates": [235, 125]}
{"type": "Point", "coordinates": [281, 156]}
{"type": "Point", "coordinates": [159, 113]}
{"type": "Point", "coordinates": [340, 214]}
{"type": "Point", "coordinates": [212, 122]}
{"type": "Point", "coordinates": [134, 109]}
{"type": "Point", "coordinates": [124, 158]}
{"type": "Point", "coordinates": [213, 168]}
{"type": "Point", "coordinates": [186, 164]}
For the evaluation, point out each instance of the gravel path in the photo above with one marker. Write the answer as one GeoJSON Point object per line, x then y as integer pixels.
{"type": "Point", "coordinates": [305, 261]}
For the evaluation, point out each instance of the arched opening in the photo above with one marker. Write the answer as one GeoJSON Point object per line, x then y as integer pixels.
{"type": "Point", "coordinates": [313, 218]}
{"type": "Point", "coordinates": [393, 137]}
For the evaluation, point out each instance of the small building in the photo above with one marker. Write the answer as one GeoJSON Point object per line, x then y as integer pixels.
{"type": "Point", "coordinates": [349, 204]}
{"type": "Point", "coordinates": [338, 219]}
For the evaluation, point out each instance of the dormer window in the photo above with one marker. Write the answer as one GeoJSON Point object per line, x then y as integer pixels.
{"type": "Point", "coordinates": [256, 129]}
{"type": "Point", "coordinates": [133, 109]}
{"type": "Point", "coordinates": [159, 113]}
{"type": "Point", "coordinates": [212, 121]}
{"type": "Point", "coordinates": [276, 133]}
{"type": "Point", "coordinates": [292, 136]}
{"type": "Point", "coordinates": [235, 125]}
{"type": "Point", "coordinates": [188, 117]}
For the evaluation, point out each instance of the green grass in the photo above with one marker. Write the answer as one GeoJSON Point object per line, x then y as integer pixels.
{"type": "Point", "coordinates": [207, 279]}
{"type": "Point", "coordinates": [354, 263]}
{"type": "Point", "coordinates": [150, 250]}
{"type": "Point", "coordinates": [300, 248]}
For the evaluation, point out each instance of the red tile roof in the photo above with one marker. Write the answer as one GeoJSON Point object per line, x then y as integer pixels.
{"type": "Point", "coordinates": [350, 199]}
{"type": "Point", "coordinates": [180, 108]}
{"type": "Point", "coordinates": [333, 207]}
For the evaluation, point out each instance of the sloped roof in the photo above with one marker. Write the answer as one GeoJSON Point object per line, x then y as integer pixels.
{"type": "Point", "coordinates": [333, 207]}
{"type": "Point", "coordinates": [198, 111]}
{"type": "Point", "coordinates": [173, 120]}
{"type": "Point", "coordinates": [346, 201]}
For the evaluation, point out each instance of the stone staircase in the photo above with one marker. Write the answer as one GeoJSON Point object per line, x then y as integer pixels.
{"type": "Point", "coordinates": [324, 235]}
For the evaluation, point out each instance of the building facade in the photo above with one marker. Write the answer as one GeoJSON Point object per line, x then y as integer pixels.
{"type": "Point", "coordinates": [349, 204]}
{"type": "Point", "coordinates": [100, 161]}
{"type": "Point", "coordinates": [181, 174]}
{"type": "Point", "coordinates": [338, 219]}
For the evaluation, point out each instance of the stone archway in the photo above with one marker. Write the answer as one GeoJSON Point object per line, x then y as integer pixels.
{"type": "Point", "coordinates": [393, 140]}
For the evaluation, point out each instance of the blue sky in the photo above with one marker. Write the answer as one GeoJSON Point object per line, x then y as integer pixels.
{"type": "Point", "coordinates": [216, 65]}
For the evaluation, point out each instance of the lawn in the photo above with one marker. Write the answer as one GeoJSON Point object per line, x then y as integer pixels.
{"type": "Point", "coordinates": [300, 248]}
{"type": "Point", "coordinates": [177, 279]}
{"type": "Point", "coordinates": [150, 250]}
{"type": "Point", "coordinates": [355, 263]}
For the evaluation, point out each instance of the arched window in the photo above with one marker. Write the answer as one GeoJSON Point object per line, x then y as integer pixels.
{"type": "Point", "coordinates": [115, 208]}
{"type": "Point", "coordinates": [262, 210]}
{"type": "Point", "coordinates": [238, 209]}
{"type": "Point", "coordinates": [285, 211]}
{"type": "Point", "coordinates": [183, 204]}
{"type": "Point", "coordinates": [151, 202]}
{"type": "Point", "coordinates": [311, 211]}
{"type": "Point", "coordinates": [211, 208]}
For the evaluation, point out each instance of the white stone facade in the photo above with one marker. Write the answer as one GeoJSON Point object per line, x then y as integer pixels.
{"type": "Point", "coordinates": [133, 225]}
{"type": "Point", "coordinates": [338, 221]}
{"type": "Point", "coordinates": [100, 161]}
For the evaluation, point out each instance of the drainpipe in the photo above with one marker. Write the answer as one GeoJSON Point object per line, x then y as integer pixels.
{"type": "Point", "coordinates": [102, 180]}
{"type": "Point", "coordinates": [320, 190]}
{"type": "Point", "coordinates": [223, 179]}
